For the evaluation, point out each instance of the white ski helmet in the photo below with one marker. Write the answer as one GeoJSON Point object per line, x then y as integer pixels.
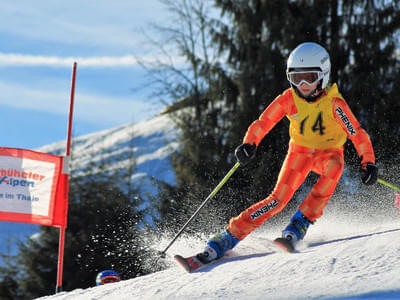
{"type": "Point", "coordinates": [310, 56]}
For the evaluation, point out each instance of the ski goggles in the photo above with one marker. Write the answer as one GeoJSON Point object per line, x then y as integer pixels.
{"type": "Point", "coordinates": [297, 78]}
{"type": "Point", "coordinates": [109, 279]}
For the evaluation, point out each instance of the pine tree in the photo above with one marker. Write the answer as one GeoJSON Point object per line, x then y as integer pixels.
{"type": "Point", "coordinates": [9, 289]}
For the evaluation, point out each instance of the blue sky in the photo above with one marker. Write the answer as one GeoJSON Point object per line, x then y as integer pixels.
{"type": "Point", "coordinates": [41, 39]}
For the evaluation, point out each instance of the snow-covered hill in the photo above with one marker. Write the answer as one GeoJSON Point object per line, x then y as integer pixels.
{"type": "Point", "coordinates": [152, 141]}
{"type": "Point", "coordinates": [340, 259]}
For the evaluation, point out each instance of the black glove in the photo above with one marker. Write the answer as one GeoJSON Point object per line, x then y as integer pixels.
{"type": "Point", "coordinates": [245, 153]}
{"type": "Point", "coordinates": [369, 173]}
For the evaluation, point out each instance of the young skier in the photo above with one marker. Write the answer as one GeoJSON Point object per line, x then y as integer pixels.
{"type": "Point", "coordinates": [320, 123]}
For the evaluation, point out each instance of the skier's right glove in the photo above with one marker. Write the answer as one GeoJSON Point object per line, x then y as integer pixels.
{"type": "Point", "coordinates": [369, 173]}
{"type": "Point", "coordinates": [245, 153]}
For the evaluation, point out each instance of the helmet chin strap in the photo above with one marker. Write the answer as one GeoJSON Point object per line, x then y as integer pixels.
{"type": "Point", "coordinates": [312, 96]}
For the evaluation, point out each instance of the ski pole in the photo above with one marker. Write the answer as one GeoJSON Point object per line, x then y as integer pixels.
{"type": "Point", "coordinates": [212, 194]}
{"type": "Point", "coordinates": [389, 185]}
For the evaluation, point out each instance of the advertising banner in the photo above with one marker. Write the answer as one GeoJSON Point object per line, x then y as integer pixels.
{"type": "Point", "coordinates": [32, 187]}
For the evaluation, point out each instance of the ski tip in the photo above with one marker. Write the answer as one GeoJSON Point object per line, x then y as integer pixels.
{"type": "Point", "coordinates": [183, 262]}
{"type": "Point", "coordinates": [284, 244]}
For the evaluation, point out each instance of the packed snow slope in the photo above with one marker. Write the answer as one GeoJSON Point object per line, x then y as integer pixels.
{"type": "Point", "coordinates": [341, 258]}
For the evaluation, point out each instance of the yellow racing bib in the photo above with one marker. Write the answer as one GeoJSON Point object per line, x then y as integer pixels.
{"type": "Point", "coordinates": [314, 124]}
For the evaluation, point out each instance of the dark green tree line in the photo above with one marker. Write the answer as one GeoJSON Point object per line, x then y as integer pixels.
{"type": "Point", "coordinates": [9, 289]}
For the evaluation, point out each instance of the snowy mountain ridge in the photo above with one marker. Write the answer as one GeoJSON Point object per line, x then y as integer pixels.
{"type": "Point", "coordinates": [340, 259]}
{"type": "Point", "coordinates": [152, 141]}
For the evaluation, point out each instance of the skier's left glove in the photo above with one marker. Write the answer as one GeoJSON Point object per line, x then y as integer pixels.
{"type": "Point", "coordinates": [245, 153]}
{"type": "Point", "coordinates": [369, 173]}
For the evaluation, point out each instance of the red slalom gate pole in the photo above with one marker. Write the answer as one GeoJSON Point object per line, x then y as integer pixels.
{"type": "Point", "coordinates": [71, 109]}
{"type": "Point", "coordinates": [60, 260]}
{"type": "Point", "coordinates": [66, 182]}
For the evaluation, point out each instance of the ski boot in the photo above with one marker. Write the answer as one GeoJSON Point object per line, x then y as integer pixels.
{"type": "Point", "coordinates": [294, 232]}
{"type": "Point", "coordinates": [297, 228]}
{"type": "Point", "coordinates": [217, 246]}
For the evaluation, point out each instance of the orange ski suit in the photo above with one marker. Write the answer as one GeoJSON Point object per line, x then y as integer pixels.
{"type": "Point", "coordinates": [317, 131]}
